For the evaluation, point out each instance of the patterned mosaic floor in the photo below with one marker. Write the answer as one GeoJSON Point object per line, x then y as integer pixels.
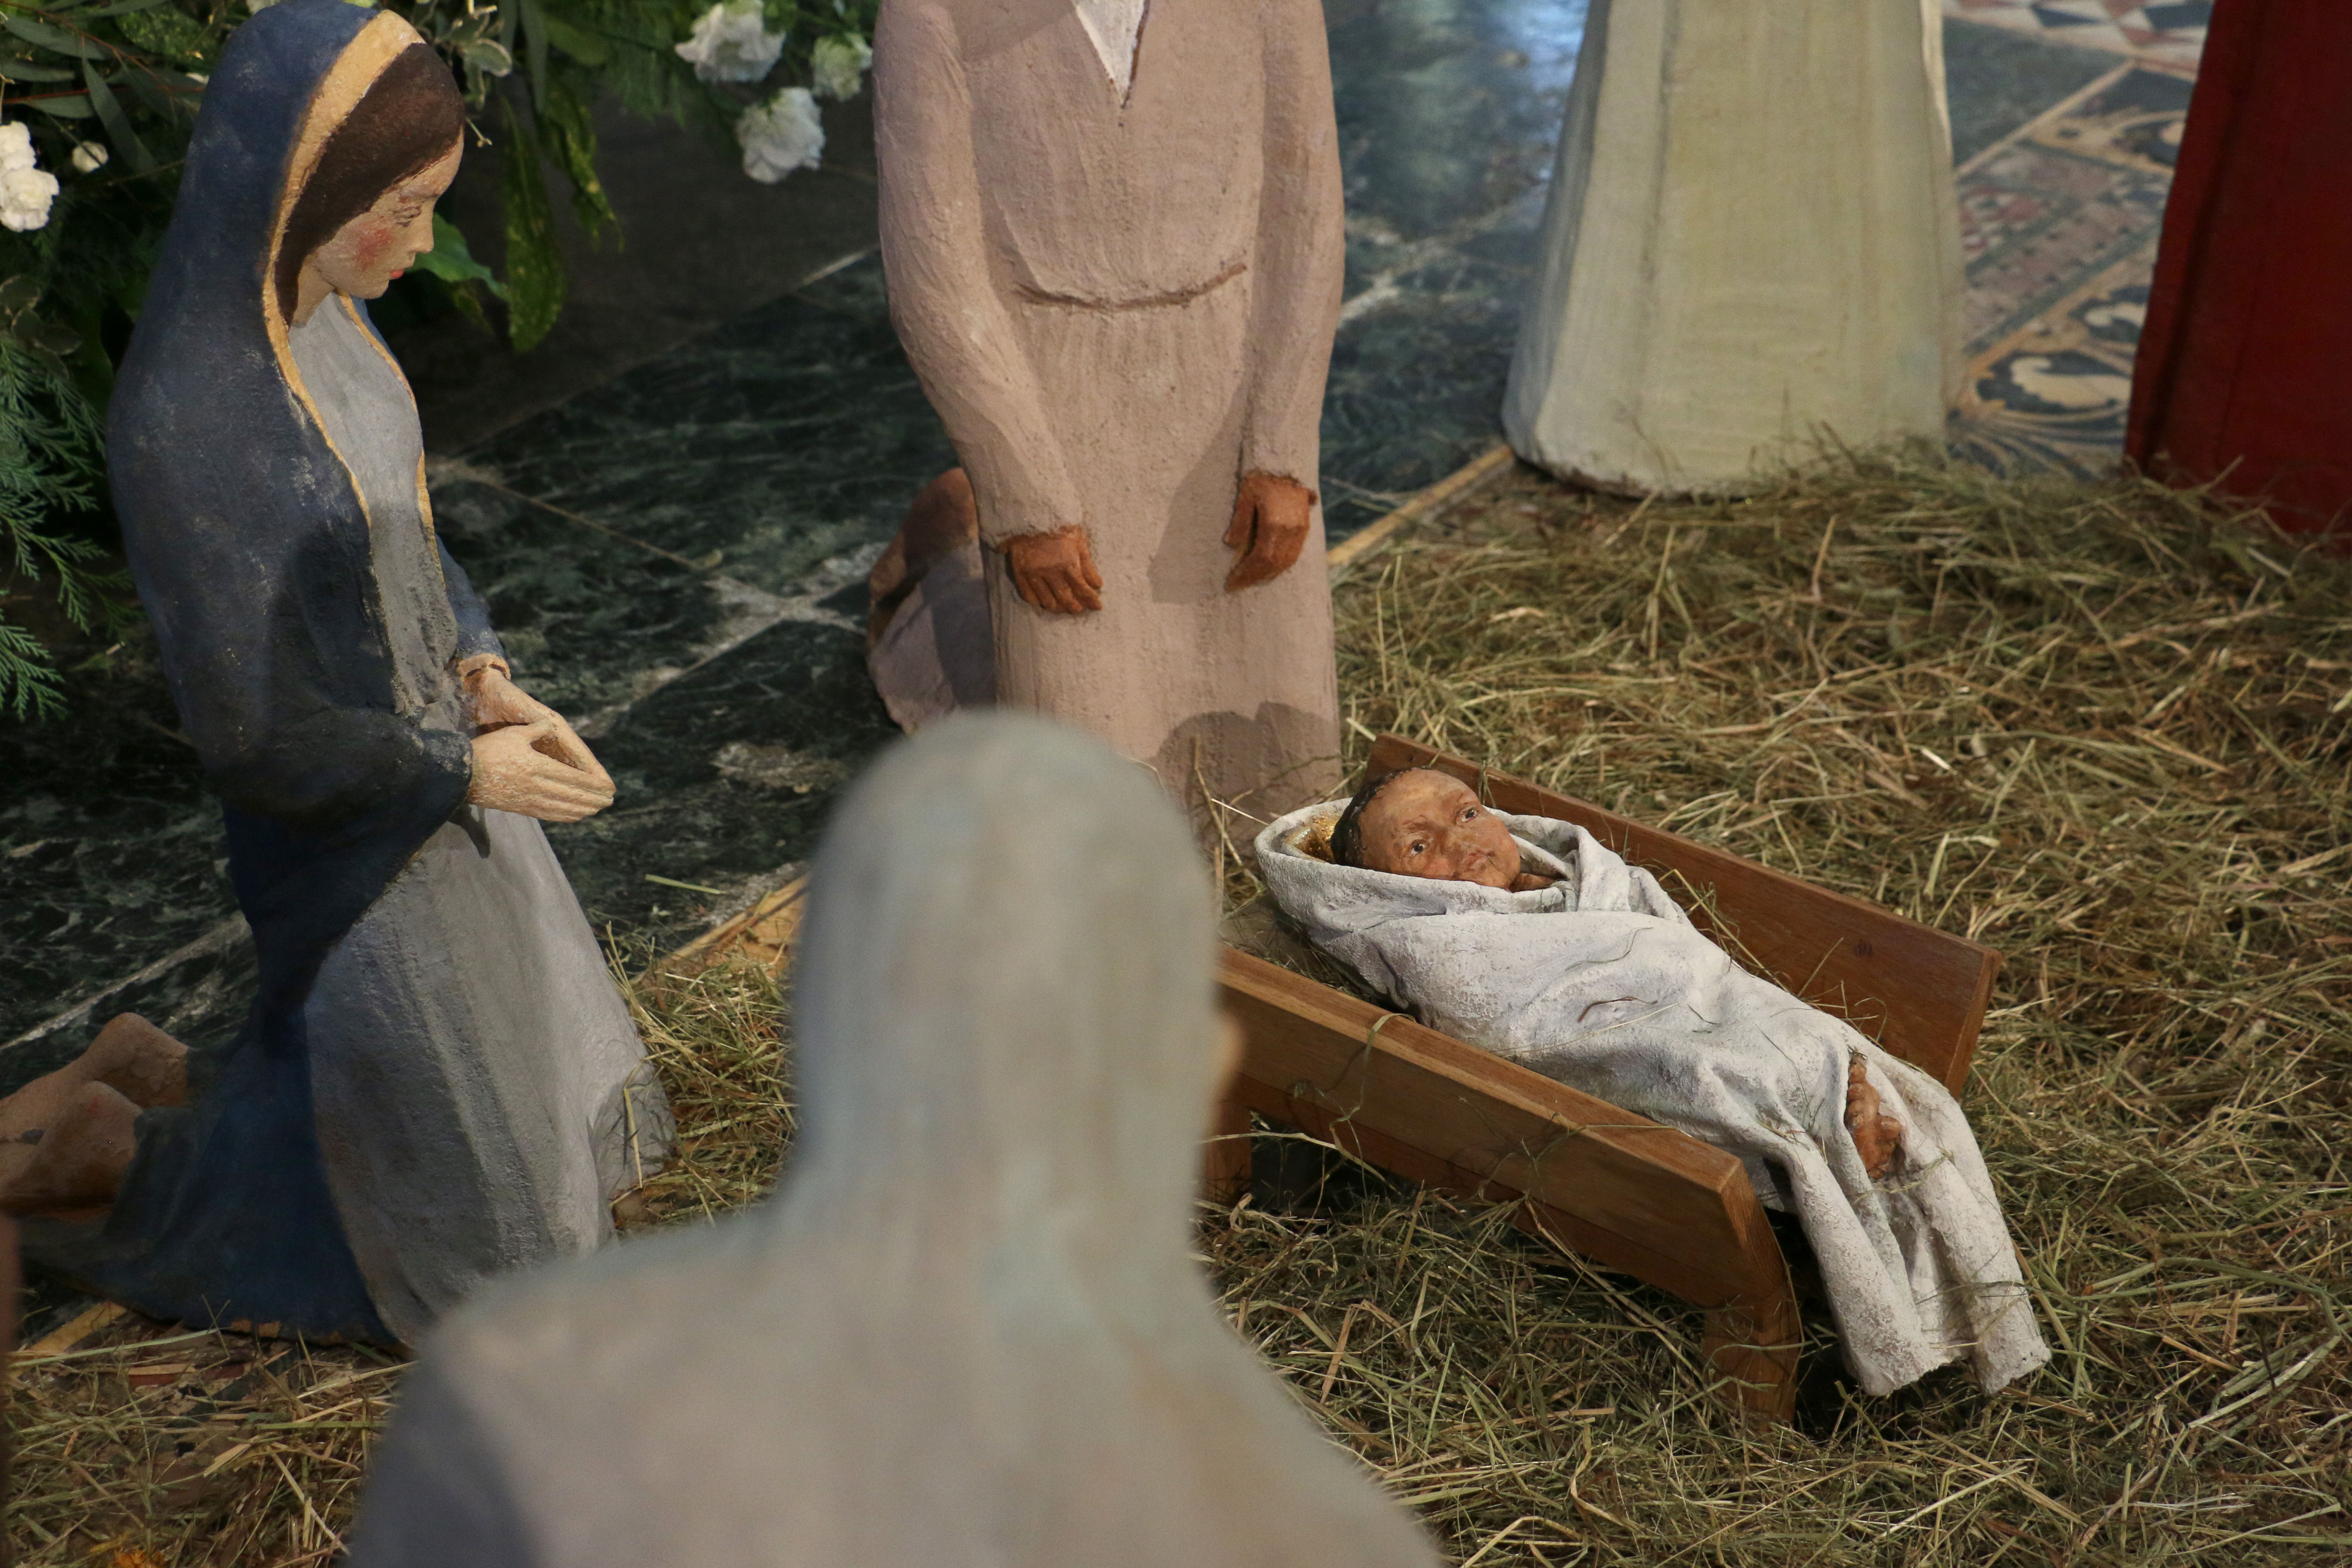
{"type": "Point", "coordinates": [2060, 222]}
{"type": "Point", "coordinates": [2170, 33]}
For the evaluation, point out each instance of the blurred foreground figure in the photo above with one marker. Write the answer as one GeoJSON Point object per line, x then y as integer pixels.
{"type": "Point", "coordinates": [2244, 374]}
{"type": "Point", "coordinates": [1751, 244]}
{"type": "Point", "coordinates": [966, 1330]}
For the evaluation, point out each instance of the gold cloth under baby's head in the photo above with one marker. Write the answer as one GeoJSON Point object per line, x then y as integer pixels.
{"type": "Point", "coordinates": [1314, 840]}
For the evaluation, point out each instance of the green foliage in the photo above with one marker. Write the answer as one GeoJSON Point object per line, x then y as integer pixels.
{"type": "Point", "coordinates": [452, 261]}
{"type": "Point", "coordinates": [167, 35]}
{"type": "Point", "coordinates": [534, 267]}
{"type": "Point", "coordinates": [49, 437]}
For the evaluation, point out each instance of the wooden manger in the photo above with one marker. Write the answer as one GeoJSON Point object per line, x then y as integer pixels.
{"type": "Point", "coordinates": [1588, 1177]}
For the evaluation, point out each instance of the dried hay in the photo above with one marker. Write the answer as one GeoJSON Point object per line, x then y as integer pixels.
{"type": "Point", "coordinates": [2100, 727]}
{"type": "Point", "coordinates": [717, 1036]}
{"type": "Point", "coordinates": [149, 1446]}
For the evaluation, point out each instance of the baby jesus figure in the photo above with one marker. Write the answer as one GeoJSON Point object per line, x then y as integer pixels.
{"type": "Point", "coordinates": [1530, 938]}
{"type": "Point", "coordinates": [1419, 821]}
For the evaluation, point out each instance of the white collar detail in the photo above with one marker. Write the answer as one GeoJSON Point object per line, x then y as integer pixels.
{"type": "Point", "coordinates": [1114, 27]}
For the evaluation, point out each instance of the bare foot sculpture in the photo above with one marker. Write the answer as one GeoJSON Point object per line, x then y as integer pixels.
{"type": "Point", "coordinates": [930, 642]}
{"type": "Point", "coordinates": [66, 1137]}
{"type": "Point", "coordinates": [941, 520]}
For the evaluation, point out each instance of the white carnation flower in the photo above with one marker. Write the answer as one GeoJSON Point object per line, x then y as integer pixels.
{"type": "Point", "coordinates": [781, 136]}
{"type": "Point", "coordinates": [25, 192]}
{"type": "Point", "coordinates": [731, 43]}
{"type": "Point", "coordinates": [89, 157]}
{"type": "Point", "coordinates": [24, 198]}
{"type": "Point", "coordinates": [839, 65]}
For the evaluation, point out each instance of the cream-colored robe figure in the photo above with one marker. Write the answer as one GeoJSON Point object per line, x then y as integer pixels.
{"type": "Point", "coordinates": [966, 1333]}
{"type": "Point", "coordinates": [1751, 243]}
{"type": "Point", "coordinates": [1120, 297]}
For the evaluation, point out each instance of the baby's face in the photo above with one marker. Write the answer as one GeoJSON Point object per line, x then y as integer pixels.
{"type": "Point", "coordinates": [1425, 824]}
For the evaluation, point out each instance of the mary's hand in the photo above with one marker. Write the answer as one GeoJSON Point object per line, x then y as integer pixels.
{"type": "Point", "coordinates": [1271, 517]}
{"type": "Point", "coordinates": [497, 700]}
{"type": "Point", "coordinates": [537, 769]}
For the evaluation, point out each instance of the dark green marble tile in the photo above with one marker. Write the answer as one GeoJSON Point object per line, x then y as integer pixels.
{"type": "Point", "coordinates": [855, 291]}
{"type": "Point", "coordinates": [724, 774]}
{"type": "Point", "coordinates": [200, 996]}
{"type": "Point", "coordinates": [110, 848]}
{"type": "Point", "coordinates": [1416, 384]}
{"type": "Point", "coordinates": [1448, 111]}
{"type": "Point", "coordinates": [1997, 80]}
{"type": "Point", "coordinates": [795, 433]}
{"type": "Point", "coordinates": [588, 619]}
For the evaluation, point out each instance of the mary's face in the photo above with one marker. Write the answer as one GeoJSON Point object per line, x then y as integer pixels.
{"type": "Point", "coordinates": [367, 253]}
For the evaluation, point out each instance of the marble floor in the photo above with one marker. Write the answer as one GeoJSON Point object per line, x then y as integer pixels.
{"type": "Point", "coordinates": [674, 539]}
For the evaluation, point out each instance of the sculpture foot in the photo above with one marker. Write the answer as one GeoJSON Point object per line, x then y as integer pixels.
{"type": "Point", "coordinates": [72, 1168]}
{"type": "Point", "coordinates": [146, 1066]}
{"type": "Point", "coordinates": [66, 1137]}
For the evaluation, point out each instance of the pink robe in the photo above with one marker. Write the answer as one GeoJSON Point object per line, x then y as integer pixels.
{"type": "Point", "coordinates": [1119, 308]}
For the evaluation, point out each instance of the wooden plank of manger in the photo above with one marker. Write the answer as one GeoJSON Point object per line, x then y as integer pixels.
{"type": "Point", "coordinates": [1630, 1192]}
{"type": "Point", "coordinates": [763, 935]}
{"type": "Point", "coordinates": [1627, 1192]}
{"type": "Point", "coordinates": [1921, 992]}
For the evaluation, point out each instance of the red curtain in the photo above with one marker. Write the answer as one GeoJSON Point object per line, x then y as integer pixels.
{"type": "Point", "coordinates": [2245, 363]}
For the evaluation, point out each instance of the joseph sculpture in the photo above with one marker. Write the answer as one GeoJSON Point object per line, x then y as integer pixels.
{"type": "Point", "coordinates": [1114, 247]}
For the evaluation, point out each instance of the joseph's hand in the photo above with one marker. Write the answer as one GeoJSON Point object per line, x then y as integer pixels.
{"type": "Point", "coordinates": [1271, 515]}
{"type": "Point", "coordinates": [1055, 572]}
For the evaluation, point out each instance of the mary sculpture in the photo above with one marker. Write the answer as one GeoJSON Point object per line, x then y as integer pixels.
{"type": "Point", "coordinates": [437, 1080]}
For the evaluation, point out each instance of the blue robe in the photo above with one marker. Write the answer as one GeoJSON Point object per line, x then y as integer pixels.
{"type": "Point", "coordinates": [437, 1080]}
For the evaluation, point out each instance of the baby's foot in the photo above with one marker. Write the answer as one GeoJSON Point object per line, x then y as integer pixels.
{"type": "Point", "coordinates": [1877, 1136]}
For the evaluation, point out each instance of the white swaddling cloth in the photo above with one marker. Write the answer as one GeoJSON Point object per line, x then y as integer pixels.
{"type": "Point", "coordinates": [1602, 983]}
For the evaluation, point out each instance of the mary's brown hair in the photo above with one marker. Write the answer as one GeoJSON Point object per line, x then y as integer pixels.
{"type": "Point", "coordinates": [408, 118]}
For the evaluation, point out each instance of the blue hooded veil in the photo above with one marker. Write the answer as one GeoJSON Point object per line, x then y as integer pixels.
{"type": "Point", "coordinates": [248, 538]}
